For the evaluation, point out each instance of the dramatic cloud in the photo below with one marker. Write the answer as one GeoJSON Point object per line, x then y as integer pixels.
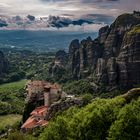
{"type": "Point", "coordinates": [72, 7]}
{"type": "Point", "coordinates": [99, 11]}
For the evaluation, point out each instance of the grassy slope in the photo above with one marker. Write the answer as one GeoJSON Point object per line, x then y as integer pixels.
{"type": "Point", "coordinates": [12, 97]}
{"type": "Point", "coordinates": [12, 87]}
{"type": "Point", "coordinates": [9, 120]}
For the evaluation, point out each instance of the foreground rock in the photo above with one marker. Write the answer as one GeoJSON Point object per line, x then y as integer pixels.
{"type": "Point", "coordinates": [62, 105]}
{"type": "Point", "coordinates": [132, 94]}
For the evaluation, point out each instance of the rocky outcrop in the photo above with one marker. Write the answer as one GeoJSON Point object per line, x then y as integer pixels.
{"type": "Point", "coordinates": [111, 60]}
{"type": "Point", "coordinates": [58, 66]}
{"type": "Point", "coordinates": [129, 58]}
{"type": "Point", "coordinates": [83, 56]}
{"type": "Point", "coordinates": [3, 64]}
{"type": "Point", "coordinates": [74, 58]}
{"type": "Point", "coordinates": [62, 105]}
{"type": "Point", "coordinates": [132, 94]}
{"type": "Point", "coordinates": [103, 33]}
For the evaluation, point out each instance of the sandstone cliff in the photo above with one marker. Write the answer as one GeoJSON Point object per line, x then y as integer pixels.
{"type": "Point", "coordinates": [111, 60]}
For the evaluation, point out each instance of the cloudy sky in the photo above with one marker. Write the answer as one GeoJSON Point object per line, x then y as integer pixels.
{"type": "Point", "coordinates": [67, 7]}
{"type": "Point", "coordinates": [100, 11]}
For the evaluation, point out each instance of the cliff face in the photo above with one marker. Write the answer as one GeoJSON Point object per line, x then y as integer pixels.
{"type": "Point", "coordinates": [113, 59]}
{"type": "Point", "coordinates": [129, 58]}
{"type": "Point", "coordinates": [3, 64]}
{"type": "Point", "coordinates": [58, 67]}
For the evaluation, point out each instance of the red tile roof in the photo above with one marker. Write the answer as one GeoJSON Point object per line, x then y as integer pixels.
{"type": "Point", "coordinates": [39, 110]}
{"type": "Point", "coordinates": [36, 119]}
{"type": "Point", "coordinates": [30, 123]}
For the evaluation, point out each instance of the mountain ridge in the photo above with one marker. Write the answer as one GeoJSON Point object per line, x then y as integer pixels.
{"type": "Point", "coordinates": [111, 60]}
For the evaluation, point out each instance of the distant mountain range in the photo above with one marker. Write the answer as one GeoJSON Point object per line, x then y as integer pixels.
{"type": "Point", "coordinates": [31, 22]}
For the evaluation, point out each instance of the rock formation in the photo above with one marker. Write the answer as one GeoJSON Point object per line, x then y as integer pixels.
{"type": "Point", "coordinates": [61, 59]}
{"type": "Point", "coordinates": [62, 105]}
{"type": "Point", "coordinates": [111, 60]}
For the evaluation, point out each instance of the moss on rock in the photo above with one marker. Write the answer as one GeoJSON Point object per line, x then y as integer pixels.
{"type": "Point", "coordinates": [126, 19]}
{"type": "Point", "coordinates": [134, 30]}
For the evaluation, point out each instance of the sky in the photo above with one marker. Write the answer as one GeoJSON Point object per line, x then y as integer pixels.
{"type": "Point", "coordinates": [67, 7]}
{"type": "Point", "coordinates": [101, 10]}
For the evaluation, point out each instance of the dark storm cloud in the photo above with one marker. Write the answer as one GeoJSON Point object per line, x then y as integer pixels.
{"type": "Point", "coordinates": [99, 18]}
{"type": "Point", "coordinates": [90, 1]}
{"type": "Point", "coordinates": [68, 7]}
{"type": "Point", "coordinates": [100, 12]}
{"type": "Point", "coordinates": [85, 1]}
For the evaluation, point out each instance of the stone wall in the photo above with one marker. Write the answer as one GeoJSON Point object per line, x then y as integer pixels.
{"type": "Point", "coordinates": [62, 105]}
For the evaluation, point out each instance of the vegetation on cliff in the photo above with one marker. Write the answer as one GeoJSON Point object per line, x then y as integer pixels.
{"type": "Point", "coordinates": [100, 119]}
{"type": "Point", "coordinates": [78, 87]}
{"type": "Point", "coordinates": [126, 19]}
{"type": "Point", "coordinates": [135, 30]}
{"type": "Point", "coordinates": [110, 119]}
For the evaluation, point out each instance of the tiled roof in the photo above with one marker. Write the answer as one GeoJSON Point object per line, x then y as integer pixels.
{"type": "Point", "coordinates": [39, 110]}
{"type": "Point", "coordinates": [32, 121]}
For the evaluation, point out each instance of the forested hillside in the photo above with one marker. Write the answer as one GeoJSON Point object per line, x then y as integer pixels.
{"type": "Point", "coordinates": [23, 64]}
{"type": "Point", "coordinates": [101, 119]}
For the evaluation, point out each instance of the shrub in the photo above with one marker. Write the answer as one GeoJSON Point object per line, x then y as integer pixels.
{"type": "Point", "coordinates": [127, 124]}
{"type": "Point", "coordinates": [20, 136]}
{"type": "Point", "coordinates": [87, 98]}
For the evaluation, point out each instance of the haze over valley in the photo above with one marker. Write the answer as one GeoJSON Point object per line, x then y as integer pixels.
{"type": "Point", "coordinates": [40, 41]}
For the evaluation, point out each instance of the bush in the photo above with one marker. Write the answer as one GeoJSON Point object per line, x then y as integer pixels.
{"type": "Point", "coordinates": [20, 136]}
{"type": "Point", "coordinates": [5, 108]}
{"type": "Point", "coordinates": [12, 98]}
{"type": "Point", "coordinates": [127, 124]}
{"type": "Point", "coordinates": [87, 98]}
